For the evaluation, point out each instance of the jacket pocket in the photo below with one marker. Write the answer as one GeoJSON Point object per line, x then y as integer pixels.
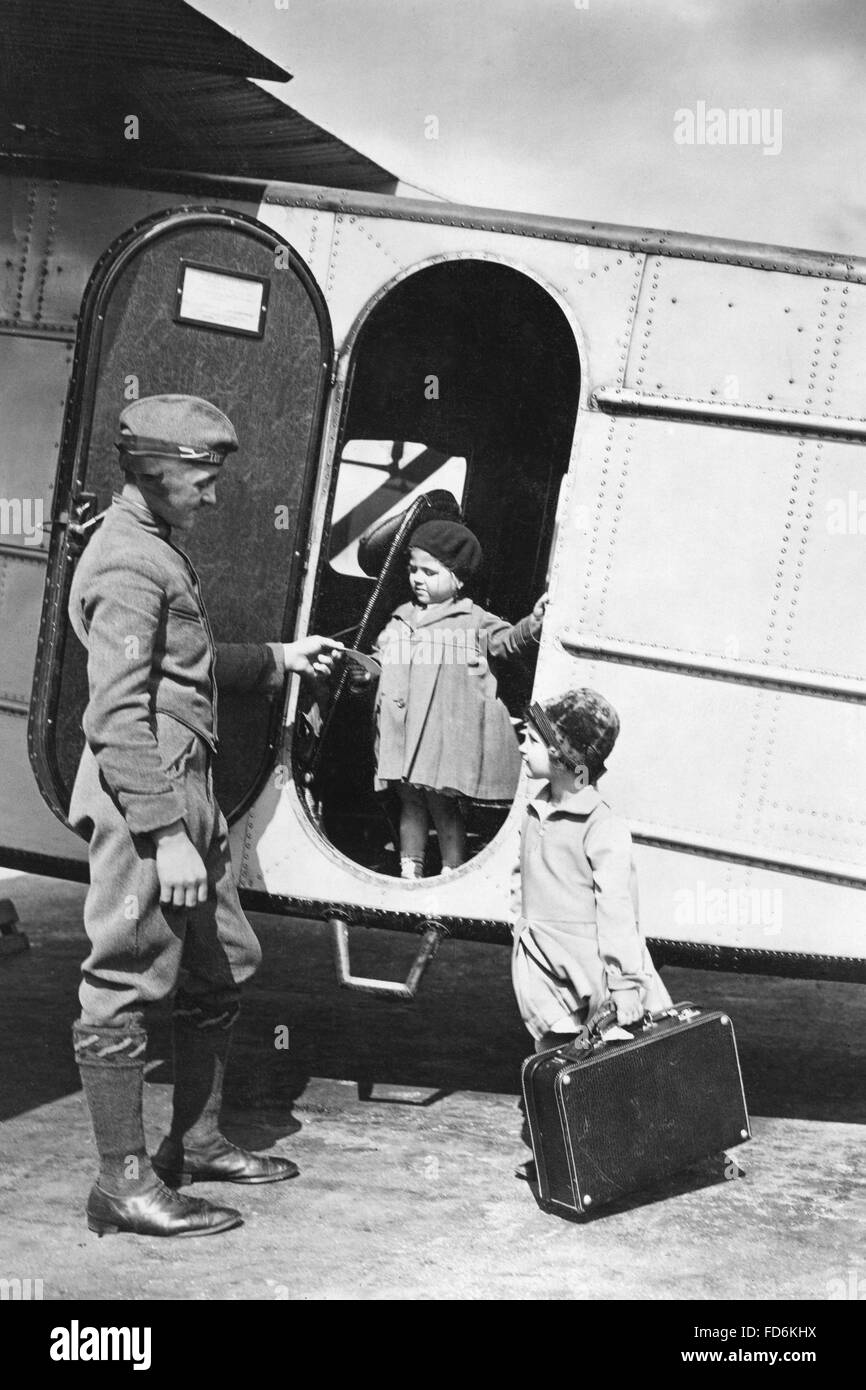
{"type": "Point", "coordinates": [177, 744]}
{"type": "Point", "coordinates": [186, 642]}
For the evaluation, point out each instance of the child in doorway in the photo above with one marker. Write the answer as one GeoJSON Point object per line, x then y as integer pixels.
{"type": "Point", "coordinates": [577, 941]}
{"type": "Point", "coordinates": [442, 733]}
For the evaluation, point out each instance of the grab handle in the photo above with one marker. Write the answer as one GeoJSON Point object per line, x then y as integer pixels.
{"type": "Point", "coordinates": [433, 933]}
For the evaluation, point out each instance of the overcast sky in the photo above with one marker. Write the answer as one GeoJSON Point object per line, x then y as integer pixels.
{"type": "Point", "coordinates": [545, 106]}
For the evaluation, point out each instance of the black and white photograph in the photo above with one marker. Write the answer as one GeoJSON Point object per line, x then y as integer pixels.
{"type": "Point", "coordinates": [433, 664]}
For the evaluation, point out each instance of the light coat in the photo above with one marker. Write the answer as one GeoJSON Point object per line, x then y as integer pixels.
{"type": "Point", "coordinates": [577, 938]}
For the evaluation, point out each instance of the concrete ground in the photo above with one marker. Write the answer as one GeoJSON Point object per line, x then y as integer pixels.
{"type": "Point", "coordinates": [403, 1118]}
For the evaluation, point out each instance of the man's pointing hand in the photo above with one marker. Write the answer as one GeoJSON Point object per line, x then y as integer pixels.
{"type": "Point", "coordinates": [312, 656]}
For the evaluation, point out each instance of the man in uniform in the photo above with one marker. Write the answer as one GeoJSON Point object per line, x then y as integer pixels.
{"type": "Point", "coordinates": [162, 912]}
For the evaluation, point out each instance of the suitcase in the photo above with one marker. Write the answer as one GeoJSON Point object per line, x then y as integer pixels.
{"type": "Point", "coordinates": [610, 1118]}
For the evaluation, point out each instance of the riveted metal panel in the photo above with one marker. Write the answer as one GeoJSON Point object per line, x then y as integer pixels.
{"type": "Point", "coordinates": [21, 585]}
{"type": "Point", "coordinates": [722, 332]}
{"type": "Point", "coordinates": [598, 285]}
{"type": "Point", "coordinates": [694, 540]}
{"type": "Point", "coordinates": [772, 773]}
{"type": "Point", "coordinates": [366, 255]}
{"type": "Point", "coordinates": [17, 215]}
{"type": "Point", "coordinates": [306, 229]}
{"type": "Point", "coordinates": [776, 773]}
{"type": "Point", "coordinates": [643, 240]}
{"type": "Point", "coordinates": [81, 221]}
{"type": "Point", "coordinates": [52, 238]}
{"type": "Point", "coordinates": [698, 539]}
{"type": "Point", "coordinates": [685, 898]}
{"type": "Point", "coordinates": [603, 287]}
{"type": "Point", "coordinates": [25, 821]}
{"type": "Point", "coordinates": [37, 251]}
{"type": "Point", "coordinates": [703, 758]}
{"type": "Point", "coordinates": [845, 380]}
{"type": "Point", "coordinates": [33, 382]}
{"type": "Point", "coordinates": [820, 617]}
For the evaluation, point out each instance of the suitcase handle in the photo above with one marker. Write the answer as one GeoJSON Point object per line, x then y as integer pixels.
{"type": "Point", "coordinates": [592, 1032]}
{"type": "Point", "coordinates": [590, 1035]}
{"type": "Point", "coordinates": [604, 1015]}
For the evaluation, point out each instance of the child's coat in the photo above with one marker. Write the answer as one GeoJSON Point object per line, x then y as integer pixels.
{"type": "Point", "coordinates": [439, 721]}
{"type": "Point", "coordinates": [577, 936]}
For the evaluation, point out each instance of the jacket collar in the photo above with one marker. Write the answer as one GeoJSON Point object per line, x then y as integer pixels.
{"type": "Point", "coordinates": [580, 803]}
{"type": "Point", "coordinates": [434, 613]}
{"type": "Point", "coordinates": [142, 516]}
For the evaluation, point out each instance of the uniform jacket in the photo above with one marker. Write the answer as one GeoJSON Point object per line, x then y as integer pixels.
{"type": "Point", "coordinates": [577, 937]}
{"type": "Point", "coordinates": [439, 721]}
{"type": "Point", "coordinates": [135, 604]}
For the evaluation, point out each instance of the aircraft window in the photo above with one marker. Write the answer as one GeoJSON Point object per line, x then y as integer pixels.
{"type": "Point", "coordinates": [497, 433]}
{"type": "Point", "coordinates": [378, 478]}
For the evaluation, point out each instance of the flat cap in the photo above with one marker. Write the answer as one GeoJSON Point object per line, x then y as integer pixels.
{"type": "Point", "coordinates": [182, 427]}
{"type": "Point", "coordinates": [582, 722]}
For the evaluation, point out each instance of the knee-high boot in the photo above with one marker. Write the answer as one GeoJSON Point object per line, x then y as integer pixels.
{"type": "Point", "coordinates": [128, 1195]}
{"type": "Point", "coordinates": [195, 1149]}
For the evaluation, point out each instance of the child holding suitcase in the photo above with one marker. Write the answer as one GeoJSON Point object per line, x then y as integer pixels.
{"type": "Point", "coordinates": [442, 733]}
{"type": "Point", "coordinates": [577, 940]}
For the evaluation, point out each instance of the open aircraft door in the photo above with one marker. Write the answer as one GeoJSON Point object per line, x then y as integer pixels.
{"type": "Point", "coordinates": [211, 303]}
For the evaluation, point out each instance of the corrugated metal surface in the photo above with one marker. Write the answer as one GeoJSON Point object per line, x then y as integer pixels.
{"type": "Point", "coordinates": [165, 32]}
{"type": "Point", "coordinates": [98, 83]}
{"type": "Point", "coordinates": [206, 124]}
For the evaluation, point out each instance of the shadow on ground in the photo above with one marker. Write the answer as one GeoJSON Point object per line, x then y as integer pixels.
{"type": "Point", "coordinates": [801, 1046]}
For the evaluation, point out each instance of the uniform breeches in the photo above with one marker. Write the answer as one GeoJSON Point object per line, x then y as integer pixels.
{"type": "Point", "coordinates": [140, 949]}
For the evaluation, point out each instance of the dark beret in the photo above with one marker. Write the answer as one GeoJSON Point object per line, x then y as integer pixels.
{"type": "Point", "coordinates": [378, 538]}
{"type": "Point", "coordinates": [452, 544]}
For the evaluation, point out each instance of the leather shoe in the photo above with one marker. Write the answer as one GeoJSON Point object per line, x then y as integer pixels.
{"type": "Point", "coordinates": [221, 1161]}
{"type": "Point", "coordinates": [157, 1211]}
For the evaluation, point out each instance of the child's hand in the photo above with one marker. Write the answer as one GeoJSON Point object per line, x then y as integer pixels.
{"type": "Point", "coordinates": [629, 1008]}
{"type": "Point", "coordinates": [540, 609]}
{"type": "Point", "coordinates": [358, 680]}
